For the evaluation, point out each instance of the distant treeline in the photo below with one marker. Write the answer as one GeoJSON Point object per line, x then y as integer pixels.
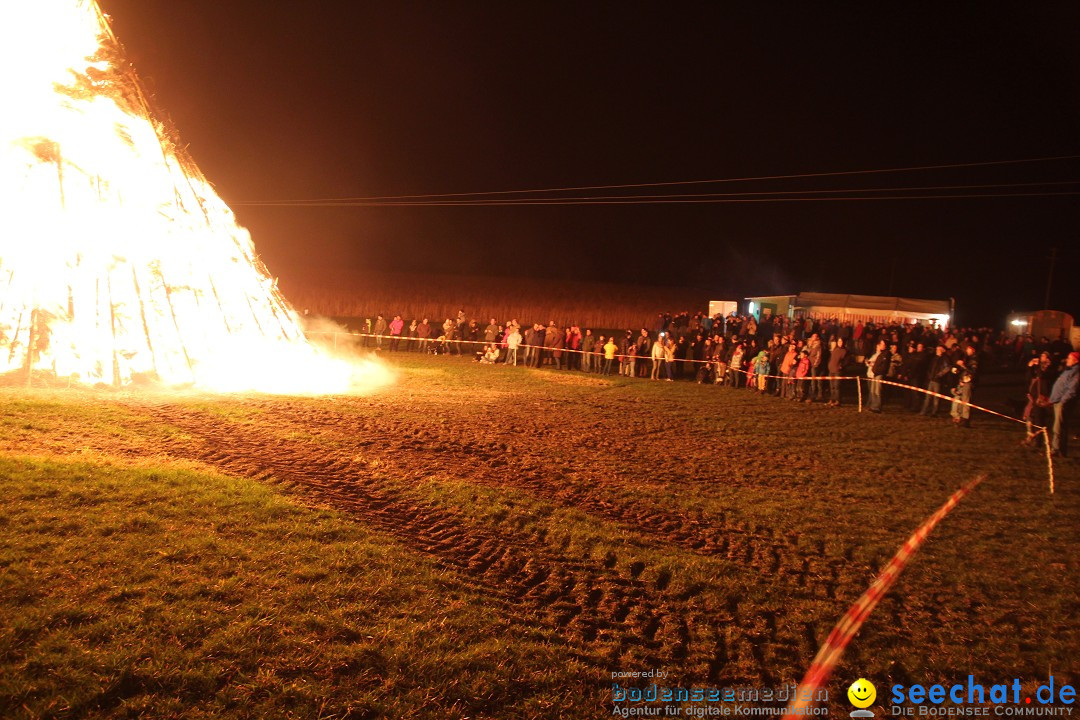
{"type": "Point", "coordinates": [438, 297]}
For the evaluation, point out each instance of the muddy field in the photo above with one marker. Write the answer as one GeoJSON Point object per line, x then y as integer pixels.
{"type": "Point", "coordinates": [705, 531]}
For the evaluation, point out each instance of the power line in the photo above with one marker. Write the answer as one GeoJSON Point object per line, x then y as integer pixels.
{"type": "Point", "coordinates": [626, 199]}
{"type": "Point", "coordinates": [671, 183]}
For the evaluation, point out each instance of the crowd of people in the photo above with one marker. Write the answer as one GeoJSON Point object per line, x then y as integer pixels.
{"type": "Point", "coordinates": [801, 359]}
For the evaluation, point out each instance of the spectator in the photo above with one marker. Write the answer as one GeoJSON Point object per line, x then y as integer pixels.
{"type": "Point", "coordinates": [423, 334]}
{"type": "Point", "coordinates": [915, 369]}
{"type": "Point", "coordinates": [735, 365]}
{"type": "Point", "coordinates": [587, 342]}
{"type": "Point", "coordinates": [657, 356]}
{"type": "Point", "coordinates": [410, 344]}
{"type": "Point", "coordinates": [787, 367]}
{"type": "Point", "coordinates": [937, 375]}
{"type": "Point", "coordinates": [876, 368]}
{"type": "Point", "coordinates": [1041, 378]}
{"type": "Point", "coordinates": [380, 331]}
{"type": "Point", "coordinates": [624, 345]}
{"type": "Point", "coordinates": [491, 331]}
{"type": "Point", "coordinates": [530, 345]}
{"type": "Point", "coordinates": [513, 342]}
{"type": "Point", "coordinates": [967, 371]}
{"type": "Point", "coordinates": [396, 326]}
{"type": "Point", "coordinates": [837, 355]}
{"type": "Point", "coordinates": [802, 371]}
{"type": "Point", "coordinates": [761, 370]}
{"type": "Point", "coordinates": [669, 357]}
{"type": "Point", "coordinates": [1063, 396]}
{"type": "Point", "coordinates": [598, 361]}
{"type": "Point", "coordinates": [817, 364]}
{"type": "Point", "coordinates": [558, 343]}
{"type": "Point", "coordinates": [573, 343]}
{"type": "Point", "coordinates": [550, 334]}
{"type": "Point", "coordinates": [644, 343]}
{"type": "Point", "coordinates": [609, 355]}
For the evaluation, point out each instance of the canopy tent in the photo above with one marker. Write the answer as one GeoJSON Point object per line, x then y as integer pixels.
{"type": "Point", "coordinates": [872, 307]}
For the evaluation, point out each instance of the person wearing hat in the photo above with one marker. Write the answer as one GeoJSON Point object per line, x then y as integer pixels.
{"type": "Point", "coordinates": [1063, 397]}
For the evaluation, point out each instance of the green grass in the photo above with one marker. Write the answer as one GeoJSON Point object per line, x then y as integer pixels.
{"type": "Point", "coordinates": [141, 592]}
{"type": "Point", "coordinates": [135, 581]}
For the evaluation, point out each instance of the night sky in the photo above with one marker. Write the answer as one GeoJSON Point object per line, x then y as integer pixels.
{"type": "Point", "coordinates": [294, 101]}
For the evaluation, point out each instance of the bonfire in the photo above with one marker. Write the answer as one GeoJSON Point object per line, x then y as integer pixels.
{"type": "Point", "coordinates": [119, 263]}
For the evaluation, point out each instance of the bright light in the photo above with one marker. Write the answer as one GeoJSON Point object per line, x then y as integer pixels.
{"type": "Point", "coordinates": [118, 260]}
{"type": "Point", "coordinates": [750, 308]}
{"type": "Point", "coordinates": [1019, 323]}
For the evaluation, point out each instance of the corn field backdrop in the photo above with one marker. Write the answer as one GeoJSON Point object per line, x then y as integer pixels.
{"type": "Point", "coordinates": [437, 297]}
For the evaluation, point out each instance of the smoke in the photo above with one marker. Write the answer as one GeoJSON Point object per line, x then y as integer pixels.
{"type": "Point", "coordinates": [332, 339]}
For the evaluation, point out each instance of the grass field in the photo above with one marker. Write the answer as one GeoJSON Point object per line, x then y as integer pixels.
{"type": "Point", "coordinates": [492, 542]}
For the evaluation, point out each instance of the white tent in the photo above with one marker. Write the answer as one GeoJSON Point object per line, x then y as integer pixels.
{"type": "Point", "coordinates": [872, 307]}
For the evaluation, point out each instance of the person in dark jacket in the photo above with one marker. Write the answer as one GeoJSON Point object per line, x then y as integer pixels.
{"type": "Point", "coordinates": [966, 370]}
{"type": "Point", "coordinates": [381, 327]}
{"type": "Point", "coordinates": [587, 342]}
{"type": "Point", "coordinates": [837, 356]}
{"type": "Point", "coordinates": [644, 344]}
{"type": "Point", "coordinates": [1041, 376]}
{"type": "Point", "coordinates": [919, 374]}
{"type": "Point", "coordinates": [1063, 396]}
{"type": "Point", "coordinates": [530, 346]}
{"type": "Point", "coordinates": [551, 336]}
{"type": "Point", "coordinates": [937, 373]}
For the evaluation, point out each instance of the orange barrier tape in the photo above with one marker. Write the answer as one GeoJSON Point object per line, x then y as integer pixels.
{"type": "Point", "coordinates": [829, 654]}
{"type": "Point", "coordinates": [1049, 457]}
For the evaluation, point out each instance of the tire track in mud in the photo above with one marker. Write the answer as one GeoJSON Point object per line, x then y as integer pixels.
{"type": "Point", "coordinates": [494, 463]}
{"type": "Point", "coordinates": [597, 605]}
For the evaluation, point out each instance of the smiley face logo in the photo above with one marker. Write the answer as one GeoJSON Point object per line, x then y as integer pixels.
{"type": "Point", "coordinates": [862, 693]}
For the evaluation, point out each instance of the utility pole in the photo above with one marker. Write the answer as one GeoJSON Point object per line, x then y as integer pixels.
{"type": "Point", "coordinates": [1050, 279]}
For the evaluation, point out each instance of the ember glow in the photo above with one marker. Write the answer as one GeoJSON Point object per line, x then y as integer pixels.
{"type": "Point", "coordinates": [119, 263]}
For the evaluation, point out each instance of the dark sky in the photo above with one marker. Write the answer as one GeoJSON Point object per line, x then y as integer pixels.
{"type": "Point", "coordinates": [286, 101]}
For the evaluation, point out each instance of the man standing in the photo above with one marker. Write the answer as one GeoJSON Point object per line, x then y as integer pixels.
{"type": "Point", "coordinates": [530, 345]}
{"type": "Point", "coordinates": [644, 342]}
{"type": "Point", "coordinates": [1063, 397]}
{"type": "Point", "coordinates": [837, 356]}
{"type": "Point", "coordinates": [937, 374]}
{"type": "Point", "coordinates": [380, 330]}
{"type": "Point", "coordinates": [423, 334]}
{"type": "Point", "coordinates": [967, 370]}
{"type": "Point", "coordinates": [815, 353]}
{"type": "Point", "coordinates": [491, 331]}
{"type": "Point", "coordinates": [915, 374]}
{"type": "Point", "coordinates": [587, 342]}
{"type": "Point", "coordinates": [876, 368]}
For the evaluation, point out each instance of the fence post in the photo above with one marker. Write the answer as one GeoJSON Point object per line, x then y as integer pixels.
{"type": "Point", "coordinates": [858, 384]}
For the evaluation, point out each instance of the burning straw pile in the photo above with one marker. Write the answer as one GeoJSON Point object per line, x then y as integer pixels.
{"type": "Point", "coordinates": [119, 263]}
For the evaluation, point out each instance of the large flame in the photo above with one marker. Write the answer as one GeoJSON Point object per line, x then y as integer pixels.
{"type": "Point", "coordinates": [118, 260]}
